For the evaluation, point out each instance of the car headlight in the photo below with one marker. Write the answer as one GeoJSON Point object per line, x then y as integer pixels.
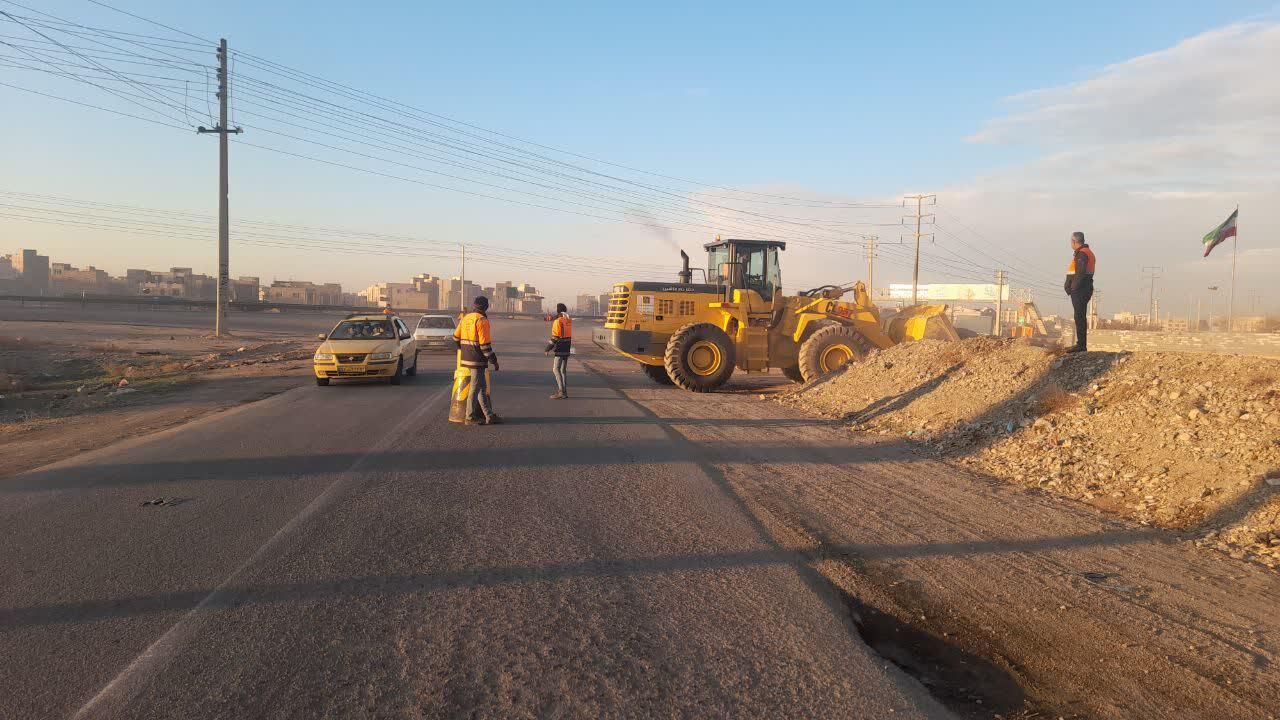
{"type": "Point", "coordinates": [324, 356]}
{"type": "Point", "coordinates": [380, 356]}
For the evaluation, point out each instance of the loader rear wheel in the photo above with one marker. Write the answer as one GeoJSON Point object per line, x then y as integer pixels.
{"type": "Point", "coordinates": [657, 373]}
{"type": "Point", "coordinates": [831, 348]}
{"type": "Point", "coordinates": [793, 374]}
{"type": "Point", "coordinates": [699, 357]}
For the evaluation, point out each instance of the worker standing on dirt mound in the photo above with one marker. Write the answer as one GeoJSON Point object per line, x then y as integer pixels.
{"type": "Point", "coordinates": [1079, 287]}
{"type": "Point", "coordinates": [561, 345]}
{"type": "Point", "coordinates": [475, 343]}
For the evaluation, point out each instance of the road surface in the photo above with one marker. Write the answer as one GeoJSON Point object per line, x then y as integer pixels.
{"type": "Point", "coordinates": [345, 552]}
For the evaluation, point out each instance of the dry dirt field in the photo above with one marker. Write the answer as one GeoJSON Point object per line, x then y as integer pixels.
{"type": "Point", "coordinates": [67, 387]}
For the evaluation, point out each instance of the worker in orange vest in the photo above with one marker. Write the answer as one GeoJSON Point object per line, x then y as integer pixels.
{"type": "Point", "coordinates": [561, 345]}
{"type": "Point", "coordinates": [475, 340]}
{"type": "Point", "coordinates": [1079, 287]}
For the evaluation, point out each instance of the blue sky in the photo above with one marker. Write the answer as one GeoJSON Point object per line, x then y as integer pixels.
{"type": "Point", "coordinates": [835, 100]}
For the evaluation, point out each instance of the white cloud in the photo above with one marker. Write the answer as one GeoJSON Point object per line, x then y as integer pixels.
{"type": "Point", "coordinates": [1202, 114]}
{"type": "Point", "coordinates": [1146, 156]}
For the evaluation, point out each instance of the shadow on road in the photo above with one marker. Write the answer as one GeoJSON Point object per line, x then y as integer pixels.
{"type": "Point", "coordinates": [230, 598]}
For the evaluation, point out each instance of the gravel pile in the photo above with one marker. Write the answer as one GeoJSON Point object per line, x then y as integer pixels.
{"type": "Point", "coordinates": [1180, 441]}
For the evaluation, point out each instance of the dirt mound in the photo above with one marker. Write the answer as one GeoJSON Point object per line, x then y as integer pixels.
{"type": "Point", "coordinates": [1180, 441]}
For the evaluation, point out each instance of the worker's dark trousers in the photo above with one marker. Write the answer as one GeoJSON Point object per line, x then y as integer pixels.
{"type": "Point", "coordinates": [1080, 303]}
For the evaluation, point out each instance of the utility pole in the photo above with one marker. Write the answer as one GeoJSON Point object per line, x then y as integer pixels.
{"type": "Point", "coordinates": [1000, 278]}
{"type": "Point", "coordinates": [871, 263]}
{"type": "Point", "coordinates": [1152, 273]}
{"type": "Point", "coordinates": [224, 209]}
{"type": "Point", "coordinates": [920, 216]}
{"type": "Point", "coordinates": [1093, 310]}
{"type": "Point", "coordinates": [1197, 314]}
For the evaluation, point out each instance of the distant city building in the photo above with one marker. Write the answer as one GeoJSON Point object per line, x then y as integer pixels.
{"type": "Point", "coordinates": [399, 296]}
{"type": "Point", "coordinates": [587, 305]}
{"type": "Point", "coordinates": [505, 296]}
{"type": "Point", "coordinates": [302, 292]}
{"type": "Point", "coordinates": [430, 287]}
{"type": "Point", "coordinates": [1177, 325]}
{"type": "Point", "coordinates": [7, 270]}
{"type": "Point", "coordinates": [246, 289]}
{"type": "Point", "coordinates": [32, 270]}
{"type": "Point", "coordinates": [1249, 324]}
{"type": "Point", "coordinates": [1124, 318]}
{"type": "Point", "coordinates": [63, 278]}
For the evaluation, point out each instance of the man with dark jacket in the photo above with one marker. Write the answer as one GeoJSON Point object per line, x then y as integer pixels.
{"type": "Point", "coordinates": [561, 342]}
{"type": "Point", "coordinates": [475, 347]}
{"type": "Point", "coordinates": [1079, 287]}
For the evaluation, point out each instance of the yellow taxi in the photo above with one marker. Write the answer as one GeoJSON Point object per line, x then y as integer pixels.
{"type": "Point", "coordinates": [367, 345]}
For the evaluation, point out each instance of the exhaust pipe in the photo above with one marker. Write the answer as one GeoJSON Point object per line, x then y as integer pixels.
{"type": "Point", "coordinates": [686, 275]}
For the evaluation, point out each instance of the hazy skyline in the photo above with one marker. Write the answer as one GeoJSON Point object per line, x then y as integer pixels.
{"type": "Point", "coordinates": [1143, 125]}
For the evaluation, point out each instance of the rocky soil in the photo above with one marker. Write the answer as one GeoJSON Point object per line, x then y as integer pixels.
{"type": "Point", "coordinates": [1186, 442]}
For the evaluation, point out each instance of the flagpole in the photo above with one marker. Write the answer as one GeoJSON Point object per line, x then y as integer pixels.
{"type": "Point", "coordinates": [1235, 246]}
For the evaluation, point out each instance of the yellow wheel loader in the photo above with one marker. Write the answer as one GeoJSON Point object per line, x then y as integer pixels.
{"type": "Point", "coordinates": [694, 335]}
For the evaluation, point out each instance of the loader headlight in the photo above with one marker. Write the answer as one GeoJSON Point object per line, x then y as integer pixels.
{"type": "Point", "coordinates": [380, 356]}
{"type": "Point", "coordinates": [324, 356]}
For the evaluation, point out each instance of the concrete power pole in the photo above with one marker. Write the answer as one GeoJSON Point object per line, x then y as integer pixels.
{"type": "Point", "coordinates": [871, 264]}
{"type": "Point", "coordinates": [920, 216]}
{"type": "Point", "coordinates": [999, 324]}
{"type": "Point", "coordinates": [224, 209]}
{"type": "Point", "coordinates": [1152, 273]}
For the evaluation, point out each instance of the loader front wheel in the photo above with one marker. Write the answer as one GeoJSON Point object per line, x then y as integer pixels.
{"type": "Point", "coordinates": [657, 373]}
{"type": "Point", "coordinates": [699, 357]}
{"type": "Point", "coordinates": [793, 374]}
{"type": "Point", "coordinates": [830, 349]}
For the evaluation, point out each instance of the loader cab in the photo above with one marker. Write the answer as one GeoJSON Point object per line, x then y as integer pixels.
{"type": "Point", "coordinates": [745, 265]}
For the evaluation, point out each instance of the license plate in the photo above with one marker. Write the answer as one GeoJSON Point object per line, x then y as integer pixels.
{"type": "Point", "coordinates": [344, 371]}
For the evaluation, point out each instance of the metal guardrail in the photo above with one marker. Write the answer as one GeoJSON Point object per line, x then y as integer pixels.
{"type": "Point", "coordinates": [158, 303]}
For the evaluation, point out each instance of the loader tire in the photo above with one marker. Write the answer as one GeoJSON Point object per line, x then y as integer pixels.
{"type": "Point", "coordinates": [793, 374]}
{"type": "Point", "coordinates": [831, 348]}
{"type": "Point", "coordinates": [699, 357]}
{"type": "Point", "coordinates": [657, 373]}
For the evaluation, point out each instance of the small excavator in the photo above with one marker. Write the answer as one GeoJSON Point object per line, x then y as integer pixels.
{"type": "Point", "coordinates": [694, 335]}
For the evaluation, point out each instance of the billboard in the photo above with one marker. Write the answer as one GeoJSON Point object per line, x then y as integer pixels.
{"type": "Point", "coordinates": [943, 292]}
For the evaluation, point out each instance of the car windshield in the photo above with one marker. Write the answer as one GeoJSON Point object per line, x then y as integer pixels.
{"type": "Point", "coordinates": [363, 330]}
{"type": "Point", "coordinates": [436, 322]}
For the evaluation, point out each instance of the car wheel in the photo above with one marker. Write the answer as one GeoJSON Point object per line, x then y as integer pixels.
{"type": "Point", "coordinates": [395, 379]}
{"type": "Point", "coordinates": [413, 370]}
{"type": "Point", "coordinates": [322, 381]}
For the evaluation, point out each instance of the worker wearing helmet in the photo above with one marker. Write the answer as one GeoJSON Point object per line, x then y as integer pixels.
{"type": "Point", "coordinates": [475, 340]}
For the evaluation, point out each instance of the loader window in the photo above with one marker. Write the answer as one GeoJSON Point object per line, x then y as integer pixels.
{"type": "Point", "coordinates": [761, 271]}
{"type": "Point", "coordinates": [715, 258]}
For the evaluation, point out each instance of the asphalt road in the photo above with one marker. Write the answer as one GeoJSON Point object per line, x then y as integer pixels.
{"type": "Point", "coordinates": [346, 552]}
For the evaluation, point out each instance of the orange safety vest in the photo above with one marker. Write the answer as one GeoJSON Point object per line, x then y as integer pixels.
{"type": "Point", "coordinates": [561, 335]}
{"type": "Point", "coordinates": [1090, 261]}
{"type": "Point", "coordinates": [474, 340]}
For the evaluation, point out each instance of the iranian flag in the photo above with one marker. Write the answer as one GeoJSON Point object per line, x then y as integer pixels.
{"type": "Point", "coordinates": [1219, 235]}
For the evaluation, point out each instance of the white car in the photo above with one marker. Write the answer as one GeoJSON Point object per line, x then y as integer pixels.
{"type": "Point", "coordinates": [435, 332]}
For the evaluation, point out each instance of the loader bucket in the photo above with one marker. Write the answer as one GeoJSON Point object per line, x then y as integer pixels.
{"type": "Point", "coordinates": [921, 321]}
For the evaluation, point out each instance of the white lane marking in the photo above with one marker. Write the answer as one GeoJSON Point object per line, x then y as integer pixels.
{"type": "Point", "coordinates": [173, 638]}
